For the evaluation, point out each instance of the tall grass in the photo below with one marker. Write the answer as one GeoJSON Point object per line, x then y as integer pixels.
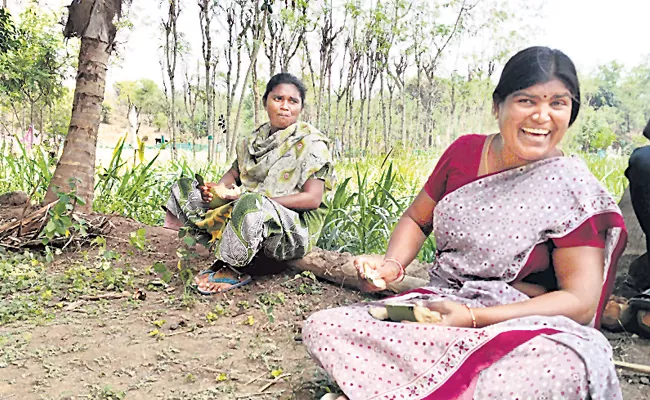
{"type": "Point", "coordinates": [610, 171]}
{"type": "Point", "coordinates": [369, 200]}
{"type": "Point", "coordinates": [138, 191]}
{"type": "Point", "coordinates": [27, 171]}
{"type": "Point", "coordinates": [371, 195]}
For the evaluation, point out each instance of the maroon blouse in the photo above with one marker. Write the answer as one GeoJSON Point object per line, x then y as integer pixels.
{"type": "Point", "coordinates": [459, 166]}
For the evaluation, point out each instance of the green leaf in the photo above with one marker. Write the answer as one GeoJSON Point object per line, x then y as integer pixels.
{"type": "Point", "coordinates": [159, 267]}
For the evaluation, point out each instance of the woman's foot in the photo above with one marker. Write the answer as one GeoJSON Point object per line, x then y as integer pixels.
{"type": "Point", "coordinates": [171, 222]}
{"type": "Point", "coordinates": [222, 279]}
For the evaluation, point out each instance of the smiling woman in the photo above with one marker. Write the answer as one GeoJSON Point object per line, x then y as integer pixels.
{"type": "Point", "coordinates": [270, 200]}
{"type": "Point", "coordinates": [527, 246]}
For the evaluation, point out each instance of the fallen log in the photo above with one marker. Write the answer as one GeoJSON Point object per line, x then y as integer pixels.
{"type": "Point", "coordinates": [339, 268]}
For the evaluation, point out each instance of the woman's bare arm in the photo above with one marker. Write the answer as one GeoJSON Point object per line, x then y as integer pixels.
{"type": "Point", "coordinates": [529, 289]}
{"type": "Point", "coordinates": [579, 272]}
{"type": "Point", "coordinates": [412, 229]}
{"type": "Point", "coordinates": [229, 178]}
{"type": "Point", "coordinates": [310, 198]}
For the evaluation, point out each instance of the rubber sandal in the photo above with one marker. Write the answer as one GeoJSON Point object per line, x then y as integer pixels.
{"type": "Point", "coordinates": [200, 274]}
{"type": "Point", "coordinates": [642, 301]}
{"type": "Point", "coordinates": [234, 283]}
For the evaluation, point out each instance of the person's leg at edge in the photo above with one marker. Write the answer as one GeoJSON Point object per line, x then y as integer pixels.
{"type": "Point", "coordinates": [172, 222]}
{"type": "Point", "coordinates": [638, 173]}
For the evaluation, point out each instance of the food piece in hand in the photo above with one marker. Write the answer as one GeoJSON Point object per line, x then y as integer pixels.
{"type": "Point", "coordinates": [426, 316]}
{"type": "Point", "coordinates": [373, 276]}
{"type": "Point", "coordinates": [379, 313]}
{"type": "Point", "coordinates": [221, 195]}
{"type": "Point", "coordinates": [413, 313]}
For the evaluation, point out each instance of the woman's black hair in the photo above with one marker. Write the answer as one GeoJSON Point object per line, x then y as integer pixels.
{"type": "Point", "coordinates": [536, 65]}
{"type": "Point", "coordinates": [285, 77]}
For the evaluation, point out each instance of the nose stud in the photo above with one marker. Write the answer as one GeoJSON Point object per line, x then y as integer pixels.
{"type": "Point", "coordinates": [535, 116]}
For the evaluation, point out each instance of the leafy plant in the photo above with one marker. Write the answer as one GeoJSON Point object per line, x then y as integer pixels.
{"type": "Point", "coordinates": [62, 222]}
{"type": "Point", "coordinates": [138, 239]}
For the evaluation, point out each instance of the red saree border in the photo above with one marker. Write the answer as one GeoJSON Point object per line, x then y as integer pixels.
{"type": "Point", "coordinates": [488, 354]}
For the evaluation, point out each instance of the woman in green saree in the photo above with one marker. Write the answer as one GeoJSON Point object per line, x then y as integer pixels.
{"type": "Point", "coordinates": [270, 200]}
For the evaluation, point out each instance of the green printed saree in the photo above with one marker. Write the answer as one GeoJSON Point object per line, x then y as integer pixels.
{"type": "Point", "coordinates": [269, 166]}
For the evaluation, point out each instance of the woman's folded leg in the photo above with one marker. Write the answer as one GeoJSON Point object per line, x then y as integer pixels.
{"type": "Point", "coordinates": [258, 222]}
{"type": "Point", "coordinates": [368, 357]}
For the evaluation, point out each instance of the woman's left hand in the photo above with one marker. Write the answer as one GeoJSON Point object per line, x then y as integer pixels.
{"type": "Point", "coordinates": [453, 314]}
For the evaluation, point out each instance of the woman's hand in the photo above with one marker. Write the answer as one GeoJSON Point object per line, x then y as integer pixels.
{"type": "Point", "coordinates": [210, 190]}
{"type": "Point", "coordinates": [453, 314]}
{"type": "Point", "coordinates": [206, 195]}
{"type": "Point", "coordinates": [388, 271]}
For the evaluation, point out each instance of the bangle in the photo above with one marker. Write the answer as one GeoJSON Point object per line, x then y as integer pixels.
{"type": "Point", "coordinates": [472, 314]}
{"type": "Point", "coordinates": [401, 274]}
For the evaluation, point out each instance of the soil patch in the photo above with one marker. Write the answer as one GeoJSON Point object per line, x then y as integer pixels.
{"type": "Point", "coordinates": [178, 345]}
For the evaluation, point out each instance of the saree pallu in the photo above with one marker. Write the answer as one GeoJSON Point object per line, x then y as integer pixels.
{"type": "Point", "coordinates": [485, 232]}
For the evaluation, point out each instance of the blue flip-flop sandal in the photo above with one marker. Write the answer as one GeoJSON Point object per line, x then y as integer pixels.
{"type": "Point", "coordinates": [234, 283]}
{"type": "Point", "coordinates": [200, 274]}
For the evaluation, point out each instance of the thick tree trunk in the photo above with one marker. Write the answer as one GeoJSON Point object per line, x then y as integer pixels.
{"type": "Point", "coordinates": [78, 158]}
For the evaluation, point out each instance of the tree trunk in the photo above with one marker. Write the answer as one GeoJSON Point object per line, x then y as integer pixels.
{"type": "Point", "coordinates": [329, 94]}
{"type": "Point", "coordinates": [78, 158]}
{"type": "Point", "coordinates": [256, 49]}
{"type": "Point", "coordinates": [256, 97]}
{"type": "Point", "coordinates": [173, 118]}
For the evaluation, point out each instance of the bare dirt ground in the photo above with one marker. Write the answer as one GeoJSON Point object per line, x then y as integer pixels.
{"type": "Point", "coordinates": [243, 344]}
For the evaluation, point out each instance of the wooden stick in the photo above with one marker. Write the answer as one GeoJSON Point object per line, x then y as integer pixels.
{"type": "Point", "coordinates": [106, 296]}
{"type": "Point", "coordinates": [644, 369]}
{"type": "Point", "coordinates": [273, 382]}
{"type": "Point", "coordinates": [255, 379]}
{"type": "Point", "coordinates": [180, 333]}
{"type": "Point", "coordinates": [247, 395]}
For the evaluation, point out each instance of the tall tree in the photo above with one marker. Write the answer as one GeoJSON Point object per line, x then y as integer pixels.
{"type": "Point", "coordinates": [171, 49]}
{"type": "Point", "coordinates": [7, 30]}
{"type": "Point", "coordinates": [238, 22]}
{"type": "Point", "coordinates": [206, 15]}
{"type": "Point", "coordinates": [94, 22]}
{"type": "Point", "coordinates": [260, 19]}
{"type": "Point", "coordinates": [144, 94]}
{"type": "Point", "coordinates": [34, 66]}
{"type": "Point", "coordinates": [327, 42]}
